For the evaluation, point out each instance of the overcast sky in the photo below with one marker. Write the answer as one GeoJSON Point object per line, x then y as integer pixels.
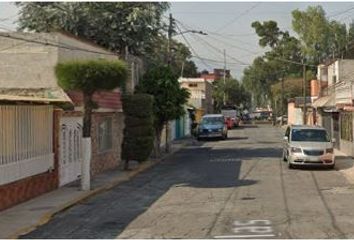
{"type": "Point", "coordinates": [228, 25]}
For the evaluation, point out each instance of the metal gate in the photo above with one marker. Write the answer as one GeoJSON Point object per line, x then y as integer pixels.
{"type": "Point", "coordinates": [70, 154]}
{"type": "Point", "coordinates": [327, 123]}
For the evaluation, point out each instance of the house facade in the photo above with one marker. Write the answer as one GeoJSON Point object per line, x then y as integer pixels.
{"type": "Point", "coordinates": [27, 79]}
{"type": "Point", "coordinates": [335, 103]}
{"type": "Point", "coordinates": [201, 91]}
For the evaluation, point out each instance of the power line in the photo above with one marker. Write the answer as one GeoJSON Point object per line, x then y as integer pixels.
{"type": "Point", "coordinates": [205, 64]}
{"type": "Point", "coordinates": [340, 13]}
{"type": "Point", "coordinates": [237, 17]}
{"type": "Point", "coordinates": [221, 52]}
{"type": "Point", "coordinates": [210, 45]}
{"type": "Point", "coordinates": [219, 61]}
{"type": "Point", "coordinates": [8, 18]}
{"type": "Point", "coordinates": [233, 46]}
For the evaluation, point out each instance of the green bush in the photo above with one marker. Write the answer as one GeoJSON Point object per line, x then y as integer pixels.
{"type": "Point", "coordinates": [137, 122]}
{"type": "Point", "coordinates": [138, 105]}
{"type": "Point", "coordinates": [138, 133]}
{"type": "Point", "coordinates": [138, 148]}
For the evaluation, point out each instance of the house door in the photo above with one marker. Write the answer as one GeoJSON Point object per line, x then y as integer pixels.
{"type": "Point", "coordinates": [70, 153]}
{"type": "Point", "coordinates": [335, 117]}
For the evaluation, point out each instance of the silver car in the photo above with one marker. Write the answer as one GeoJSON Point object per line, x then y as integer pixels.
{"type": "Point", "coordinates": [308, 145]}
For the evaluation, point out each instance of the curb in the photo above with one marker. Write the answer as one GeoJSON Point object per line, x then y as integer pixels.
{"type": "Point", "coordinates": [49, 215]}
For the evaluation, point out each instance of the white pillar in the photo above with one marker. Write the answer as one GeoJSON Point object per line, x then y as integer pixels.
{"type": "Point", "coordinates": [85, 165]}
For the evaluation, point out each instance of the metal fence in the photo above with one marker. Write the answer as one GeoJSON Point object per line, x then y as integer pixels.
{"type": "Point", "coordinates": [26, 135]}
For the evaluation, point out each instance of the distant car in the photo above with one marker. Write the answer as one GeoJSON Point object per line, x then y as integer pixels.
{"type": "Point", "coordinates": [308, 145]}
{"type": "Point", "coordinates": [212, 126]}
{"type": "Point", "coordinates": [285, 119]}
{"type": "Point", "coordinates": [246, 118]}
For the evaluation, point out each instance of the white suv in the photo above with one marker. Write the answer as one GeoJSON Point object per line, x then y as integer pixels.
{"type": "Point", "coordinates": [308, 145]}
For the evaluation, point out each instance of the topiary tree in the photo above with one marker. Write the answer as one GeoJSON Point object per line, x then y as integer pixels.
{"type": "Point", "coordinates": [88, 77]}
{"type": "Point", "coordinates": [169, 98]}
{"type": "Point", "coordinates": [138, 131]}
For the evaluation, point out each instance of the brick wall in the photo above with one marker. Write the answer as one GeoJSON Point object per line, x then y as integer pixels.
{"type": "Point", "coordinates": [110, 159]}
{"type": "Point", "coordinates": [27, 188]}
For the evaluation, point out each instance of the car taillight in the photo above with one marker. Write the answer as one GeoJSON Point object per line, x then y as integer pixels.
{"type": "Point", "coordinates": [296, 150]}
{"type": "Point", "coordinates": [329, 150]}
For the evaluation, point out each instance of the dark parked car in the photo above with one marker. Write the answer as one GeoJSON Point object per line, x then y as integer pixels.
{"type": "Point", "coordinates": [212, 126]}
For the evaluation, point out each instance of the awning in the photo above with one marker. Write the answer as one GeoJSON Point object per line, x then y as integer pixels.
{"type": "Point", "coordinates": [35, 95]}
{"type": "Point", "coordinates": [29, 99]}
{"type": "Point", "coordinates": [326, 101]}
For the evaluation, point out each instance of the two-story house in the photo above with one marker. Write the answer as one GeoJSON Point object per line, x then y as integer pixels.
{"type": "Point", "coordinates": [200, 93]}
{"type": "Point", "coordinates": [335, 103]}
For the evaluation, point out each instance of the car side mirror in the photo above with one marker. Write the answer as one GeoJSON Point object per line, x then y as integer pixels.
{"type": "Point", "coordinates": [286, 138]}
{"type": "Point", "coordinates": [333, 140]}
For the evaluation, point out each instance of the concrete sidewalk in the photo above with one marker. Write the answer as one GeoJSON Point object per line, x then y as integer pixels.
{"type": "Point", "coordinates": [25, 217]}
{"type": "Point", "coordinates": [344, 164]}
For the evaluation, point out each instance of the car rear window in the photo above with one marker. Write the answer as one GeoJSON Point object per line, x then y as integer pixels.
{"type": "Point", "coordinates": [213, 120]}
{"type": "Point", "coordinates": [309, 135]}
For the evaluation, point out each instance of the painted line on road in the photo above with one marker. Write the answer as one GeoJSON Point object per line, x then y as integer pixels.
{"type": "Point", "coordinates": [245, 236]}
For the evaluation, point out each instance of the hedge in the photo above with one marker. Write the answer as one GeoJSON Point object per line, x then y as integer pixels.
{"type": "Point", "coordinates": [137, 122]}
{"type": "Point", "coordinates": [138, 105]}
{"type": "Point", "coordinates": [138, 133]}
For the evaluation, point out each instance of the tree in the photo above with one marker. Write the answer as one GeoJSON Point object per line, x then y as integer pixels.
{"type": "Point", "coordinates": [113, 25]}
{"type": "Point", "coordinates": [180, 57]}
{"type": "Point", "coordinates": [292, 88]}
{"type": "Point", "coordinates": [235, 94]}
{"type": "Point", "coordinates": [170, 98]}
{"type": "Point", "coordinates": [321, 39]}
{"type": "Point", "coordinates": [88, 77]}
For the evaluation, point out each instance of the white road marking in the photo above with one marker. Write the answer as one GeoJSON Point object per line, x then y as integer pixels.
{"type": "Point", "coordinates": [250, 229]}
{"type": "Point", "coordinates": [245, 236]}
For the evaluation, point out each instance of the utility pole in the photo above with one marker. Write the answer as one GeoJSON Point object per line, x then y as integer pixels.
{"type": "Point", "coordinates": [304, 89]}
{"type": "Point", "coordinates": [282, 99]}
{"type": "Point", "coordinates": [224, 77]}
{"type": "Point", "coordinates": [170, 31]}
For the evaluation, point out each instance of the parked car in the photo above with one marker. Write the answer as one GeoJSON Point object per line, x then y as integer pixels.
{"type": "Point", "coordinates": [232, 114]}
{"type": "Point", "coordinates": [285, 119]}
{"type": "Point", "coordinates": [308, 145]}
{"type": "Point", "coordinates": [212, 126]}
{"type": "Point", "coordinates": [245, 118]}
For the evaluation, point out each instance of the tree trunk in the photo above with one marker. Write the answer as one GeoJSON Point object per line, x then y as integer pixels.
{"type": "Point", "coordinates": [86, 144]}
{"type": "Point", "coordinates": [157, 141]}
{"type": "Point", "coordinates": [87, 115]}
{"type": "Point", "coordinates": [167, 145]}
{"type": "Point", "coordinates": [126, 164]}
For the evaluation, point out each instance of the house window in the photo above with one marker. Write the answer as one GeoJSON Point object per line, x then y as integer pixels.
{"type": "Point", "coordinates": [193, 85]}
{"type": "Point", "coordinates": [105, 134]}
{"type": "Point", "coordinates": [346, 126]}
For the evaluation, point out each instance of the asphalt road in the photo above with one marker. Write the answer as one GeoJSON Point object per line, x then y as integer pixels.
{"type": "Point", "coordinates": [238, 188]}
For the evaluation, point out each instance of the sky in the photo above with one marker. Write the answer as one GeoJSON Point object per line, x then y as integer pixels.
{"type": "Point", "coordinates": [228, 27]}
